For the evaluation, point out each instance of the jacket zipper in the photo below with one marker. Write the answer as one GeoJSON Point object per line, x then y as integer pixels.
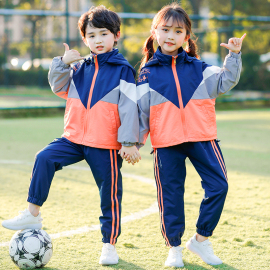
{"type": "Point", "coordinates": [183, 118]}
{"type": "Point", "coordinates": [90, 97]}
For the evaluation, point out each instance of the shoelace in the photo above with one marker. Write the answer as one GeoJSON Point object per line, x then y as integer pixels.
{"type": "Point", "coordinates": [22, 214]}
{"type": "Point", "coordinates": [106, 249]}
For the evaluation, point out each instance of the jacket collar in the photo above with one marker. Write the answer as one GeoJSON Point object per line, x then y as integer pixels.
{"type": "Point", "coordinates": [112, 57]}
{"type": "Point", "coordinates": [164, 59]}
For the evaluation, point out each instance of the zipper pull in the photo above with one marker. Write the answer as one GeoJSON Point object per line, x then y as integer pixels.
{"type": "Point", "coordinates": [94, 58]}
{"type": "Point", "coordinates": [174, 59]}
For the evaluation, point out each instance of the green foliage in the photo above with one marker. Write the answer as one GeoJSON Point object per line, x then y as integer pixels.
{"type": "Point", "coordinates": [34, 77]}
{"type": "Point", "coordinates": [248, 7]}
{"type": "Point", "coordinates": [139, 6]}
{"type": "Point", "coordinates": [254, 76]}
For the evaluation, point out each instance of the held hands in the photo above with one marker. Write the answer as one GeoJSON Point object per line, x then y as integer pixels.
{"type": "Point", "coordinates": [71, 56]}
{"type": "Point", "coordinates": [234, 44]}
{"type": "Point", "coordinates": [130, 154]}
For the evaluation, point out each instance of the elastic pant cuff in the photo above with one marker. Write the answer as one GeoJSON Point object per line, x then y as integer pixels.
{"type": "Point", "coordinates": [35, 201]}
{"type": "Point", "coordinates": [109, 240]}
{"type": "Point", "coordinates": [204, 233]}
{"type": "Point", "coordinates": [175, 243]}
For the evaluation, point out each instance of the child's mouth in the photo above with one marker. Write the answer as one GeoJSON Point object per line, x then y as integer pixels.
{"type": "Point", "coordinates": [169, 43]}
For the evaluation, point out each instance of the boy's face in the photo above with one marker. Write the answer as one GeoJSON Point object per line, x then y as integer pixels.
{"type": "Point", "coordinates": [99, 40]}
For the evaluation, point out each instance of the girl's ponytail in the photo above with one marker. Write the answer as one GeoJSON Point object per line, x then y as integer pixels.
{"type": "Point", "coordinates": [192, 48]}
{"type": "Point", "coordinates": [148, 51]}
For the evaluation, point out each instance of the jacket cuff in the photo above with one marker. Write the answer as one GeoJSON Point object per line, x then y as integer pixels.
{"type": "Point", "coordinates": [235, 55]}
{"type": "Point", "coordinates": [128, 144]}
{"type": "Point", "coordinates": [61, 63]}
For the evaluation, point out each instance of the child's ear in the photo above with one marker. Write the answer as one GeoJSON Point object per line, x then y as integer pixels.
{"type": "Point", "coordinates": [117, 36]}
{"type": "Point", "coordinates": [187, 38]}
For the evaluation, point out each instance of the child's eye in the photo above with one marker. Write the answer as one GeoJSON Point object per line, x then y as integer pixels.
{"type": "Point", "coordinates": [178, 32]}
{"type": "Point", "coordinates": [91, 36]}
{"type": "Point", "coordinates": [165, 30]}
{"type": "Point", "coordinates": [104, 34]}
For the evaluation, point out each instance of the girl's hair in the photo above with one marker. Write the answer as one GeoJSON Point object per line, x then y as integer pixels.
{"type": "Point", "coordinates": [99, 17]}
{"type": "Point", "coordinates": [179, 15]}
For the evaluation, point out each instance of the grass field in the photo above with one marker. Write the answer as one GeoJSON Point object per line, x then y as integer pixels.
{"type": "Point", "coordinates": [241, 239]}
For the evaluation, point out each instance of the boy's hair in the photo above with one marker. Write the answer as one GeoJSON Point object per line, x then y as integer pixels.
{"type": "Point", "coordinates": [100, 17]}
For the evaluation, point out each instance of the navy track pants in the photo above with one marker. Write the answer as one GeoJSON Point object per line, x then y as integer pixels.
{"type": "Point", "coordinates": [105, 165]}
{"type": "Point", "coordinates": [170, 174]}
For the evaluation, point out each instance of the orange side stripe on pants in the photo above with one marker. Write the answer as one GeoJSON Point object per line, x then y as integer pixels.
{"type": "Point", "coordinates": [115, 195]}
{"type": "Point", "coordinates": [160, 209]}
{"type": "Point", "coordinates": [165, 236]}
{"type": "Point", "coordinates": [113, 218]}
{"type": "Point", "coordinates": [222, 161]}
{"type": "Point", "coordinates": [219, 159]}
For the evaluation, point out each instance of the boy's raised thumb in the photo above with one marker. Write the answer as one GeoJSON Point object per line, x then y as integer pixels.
{"type": "Point", "coordinates": [66, 46]}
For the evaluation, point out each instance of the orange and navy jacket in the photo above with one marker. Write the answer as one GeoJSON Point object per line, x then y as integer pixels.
{"type": "Point", "coordinates": [176, 97]}
{"type": "Point", "coordinates": [101, 108]}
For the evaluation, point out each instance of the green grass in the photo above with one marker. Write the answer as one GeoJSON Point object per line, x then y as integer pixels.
{"type": "Point", "coordinates": [26, 91]}
{"type": "Point", "coordinates": [241, 239]}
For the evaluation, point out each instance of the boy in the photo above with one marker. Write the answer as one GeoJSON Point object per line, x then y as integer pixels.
{"type": "Point", "coordinates": [101, 117]}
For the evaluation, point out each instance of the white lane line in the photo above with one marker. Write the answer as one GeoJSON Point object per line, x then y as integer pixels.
{"type": "Point", "coordinates": [83, 168]}
{"type": "Point", "coordinates": [135, 216]}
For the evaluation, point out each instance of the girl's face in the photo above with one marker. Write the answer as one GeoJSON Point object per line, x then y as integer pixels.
{"type": "Point", "coordinates": [170, 37]}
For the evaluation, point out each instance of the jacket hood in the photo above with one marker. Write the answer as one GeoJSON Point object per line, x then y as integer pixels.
{"type": "Point", "coordinates": [113, 57]}
{"type": "Point", "coordinates": [163, 59]}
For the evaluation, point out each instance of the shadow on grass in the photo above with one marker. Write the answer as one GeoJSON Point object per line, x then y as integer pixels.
{"type": "Point", "coordinates": [49, 268]}
{"type": "Point", "coordinates": [124, 265]}
{"type": "Point", "coordinates": [192, 266]}
{"type": "Point", "coordinates": [225, 266]}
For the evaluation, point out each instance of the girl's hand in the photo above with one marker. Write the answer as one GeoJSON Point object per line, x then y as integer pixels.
{"type": "Point", "coordinates": [234, 44]}
{"type": "Point", "coordinates": [130, 154]}
{"type": "Point", "coordinates": [71, 56]}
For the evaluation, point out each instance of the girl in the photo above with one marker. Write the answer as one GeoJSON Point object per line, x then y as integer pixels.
{"type": "Point", "coordinates": [176, 99]}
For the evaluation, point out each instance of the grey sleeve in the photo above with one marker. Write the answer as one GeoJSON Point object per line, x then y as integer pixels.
{"type": "Point", "coordinates": [60, 76]}
{"type": "Point", "coordinates": [128, 132]}
{"type": "Point", "coordinates": [143, 100]}
{"type": "Point", "coordinates": [221, 80]}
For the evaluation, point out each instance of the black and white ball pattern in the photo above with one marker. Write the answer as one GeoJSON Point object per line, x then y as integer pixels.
{"type": "Point", "coordinates": [30, 248]}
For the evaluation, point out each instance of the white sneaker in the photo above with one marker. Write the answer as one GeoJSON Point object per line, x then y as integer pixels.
{"type": "Point", "coordinates": [23, 221]}
{"type": "Point", "coordinates": [175, 257]}
{"type": "Point", "coordinates": [108, 255]}
{"type": "Point", "coordinates": [204, 250]}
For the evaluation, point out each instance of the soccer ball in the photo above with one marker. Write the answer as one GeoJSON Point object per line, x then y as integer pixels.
{"type": "Point", "coordinates": [30, 248]}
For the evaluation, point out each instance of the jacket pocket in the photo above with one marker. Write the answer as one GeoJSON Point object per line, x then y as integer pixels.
{"type": "Point", "coordinates": [208, 114]}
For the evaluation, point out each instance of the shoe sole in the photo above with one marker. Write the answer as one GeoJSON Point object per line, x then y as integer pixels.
{"type": "Point", "coordinates": [173, 265]}
{"type": "Point", "coordinates": [197, 252]}
{"type": "Point", "coordinates": [108, 262]}
{"type": "Point", "coordinates": [24, 227]}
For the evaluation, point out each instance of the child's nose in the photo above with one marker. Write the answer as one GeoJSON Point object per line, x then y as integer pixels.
{"type": "Point", "coordinates": [170, 35]}
{"type": "Point", "coordinates": [98, 40]}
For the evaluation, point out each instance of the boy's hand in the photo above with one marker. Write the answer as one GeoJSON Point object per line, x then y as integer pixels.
{"type": "Point", "coordinates": [234, 44]}
{"type": "Point", "coordinates": [130, 154]}
{"type": "Point", "coordinates": [71, 56]}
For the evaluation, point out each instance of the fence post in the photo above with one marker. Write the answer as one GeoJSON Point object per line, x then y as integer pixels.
{"type": "Point", "coordinates": [67, 23]}
{"type": "Point", "coordinates": [6, 73]}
